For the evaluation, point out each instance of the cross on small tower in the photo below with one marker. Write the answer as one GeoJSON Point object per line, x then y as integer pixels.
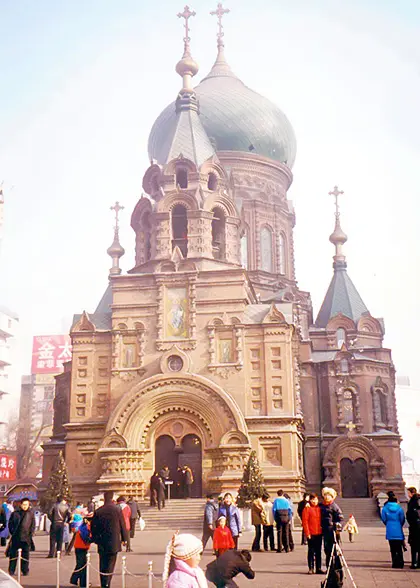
{"type": "Point", "coordinates": [116, 208]}
{"type": "Point", "coordinates": [336, 193]}
{"type": "Point", "coordinates": [220, 12]}
{"type": "Point", "coordinates": [187, 14]}
{"type": "Point", "coordinates": [351, 427]}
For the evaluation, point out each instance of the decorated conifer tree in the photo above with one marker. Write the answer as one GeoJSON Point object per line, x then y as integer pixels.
{"type": "Point", "coordinates": [58, 485]}
{"type": "Point", "coordinates": [252, 485]}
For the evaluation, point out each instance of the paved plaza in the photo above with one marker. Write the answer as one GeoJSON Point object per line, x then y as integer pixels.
{"type": "Point", "coordinates": [368, 558]}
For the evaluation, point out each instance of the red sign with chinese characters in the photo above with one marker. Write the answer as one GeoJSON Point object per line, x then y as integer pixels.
{"type": "Point", "coordinates": [7, 467]}
{"type": "Point", "coordinates": [49, 352]}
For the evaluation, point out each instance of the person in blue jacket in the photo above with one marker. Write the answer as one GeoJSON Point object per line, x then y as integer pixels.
{"type": "Point", "coordinates": [233, 520]}
{"type": "Point", "coordinates": [283, 513]}
{"type": "Point", "coordinates": [393, 517]}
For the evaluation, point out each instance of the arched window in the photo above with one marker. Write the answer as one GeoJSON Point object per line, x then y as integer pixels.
{"type": "Point", "coordinates": [212, 182]}
{"type": "Point", "coordinates": [349, 412]}
{"type": "Point", "coordinates": [244, 251]}
{"type": "Point", "coordinates": [266, 249]}
{"type": "Point", "coordinates": [180, 228]}
{"type": "Point", "coordinates": [341, 337]}
{"type": "Point", "coordinates": [344, 366]}
{"type": "Point", "coordinates": [147, 236]}
{"type": "Point", "coordinates": [282, 254]}
{"type": "Point", "coordinates": [383, 407]}
{"type": "Point", "coordinates": [218, 228]}
{"type": "Point", "coordinates": [182, 177]}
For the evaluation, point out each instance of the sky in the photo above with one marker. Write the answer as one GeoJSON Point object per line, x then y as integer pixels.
{"type": "Point", "coordinates": [83, 81]}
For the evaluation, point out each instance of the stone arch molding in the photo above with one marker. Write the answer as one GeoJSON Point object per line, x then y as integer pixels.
{"type": "Point", "coordinates": [146, 402]}
{"type": "Point", "coordinates": [352, 447]}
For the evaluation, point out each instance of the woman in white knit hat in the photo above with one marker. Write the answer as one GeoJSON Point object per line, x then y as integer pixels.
{"type": "Point", "coordinates": [182, 560]}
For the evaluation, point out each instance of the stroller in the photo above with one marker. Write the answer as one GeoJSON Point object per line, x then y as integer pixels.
{"type": "Point", "coordinates": [337, 568]}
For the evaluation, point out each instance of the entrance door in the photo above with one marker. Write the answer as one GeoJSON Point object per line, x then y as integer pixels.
{"type": "Point", "coordinates": [191, 456]}
{"type": "Point", "coordinates": [165, 454]}
{"type": "Point", "coordinates": [354, 478]}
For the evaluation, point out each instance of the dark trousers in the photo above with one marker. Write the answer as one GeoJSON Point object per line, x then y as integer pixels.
{"type": "Point", "coordinates": [235, 540]}
{"type": "Point", "coordinates": [328, 537]}
{"type": "Point", "coordinates": [13, 553]}
{"type": "Point", "coordinates": [81, 559]}
{"type": "Point", "coordinates": [291, 542]}
{"type": "Point", "coordinates": [304, 540]}
{"type": "Point", "coordinates": [397, 556]}
{"type": "Point", "coordinates": [256, 544]}
{"type": "Point", "coordinates": [283, 530]}
{"type": "Point", "coordinates": [207, 533]}
{"type": "Point", "coordinates": [187, 491]}
{"type": "Point", "coordinates": [107, 563]}
{"type": "Point", "coordinates": [132, 528]}
{"type": "Point", "coordinates": [314, 552]}
{"type": "Point", "coordinates": [268, 535]}
{"type": "Point", "coordinates": [415, 554]}
{"type": "Point", "coordinates": [3, 541]}
{"type": "Point", "coordinates": [56, 539]}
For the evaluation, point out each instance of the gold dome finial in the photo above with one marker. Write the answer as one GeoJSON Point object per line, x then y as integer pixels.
{"type": "Point", "coordinates": [116, 250]}
{"type": "Point", "coordinates": [187, 67]}
{"type": "Point", "coordinates": [338, 237]}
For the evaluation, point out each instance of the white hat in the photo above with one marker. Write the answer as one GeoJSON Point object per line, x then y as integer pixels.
{"type": "Point", "coordinates": [329, 491]}
{"type": "Point", "coordinates": [181, 546]}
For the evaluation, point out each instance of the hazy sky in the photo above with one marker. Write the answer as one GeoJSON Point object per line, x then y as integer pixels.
{"type": "Point", "coordinates": [82, 82]}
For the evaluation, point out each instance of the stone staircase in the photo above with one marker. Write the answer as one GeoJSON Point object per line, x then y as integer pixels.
{"type": "Point", "coordinates": [364, 511]}
{"type": "Point", "coordinates": [183, 515]}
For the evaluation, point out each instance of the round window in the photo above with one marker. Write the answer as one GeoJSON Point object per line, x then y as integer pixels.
{"type": "Point", "coordinates": [175, 363]}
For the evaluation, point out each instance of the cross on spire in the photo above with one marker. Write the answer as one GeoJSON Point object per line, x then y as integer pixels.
{"type": "Point", "coordinates": [220, 12]}
{"type": "Point", "coordinates": [336, 193]}
{"type": "Point", "coordinates": [117, 208]}
{"type": "Point", "coordinates": [186, 15]}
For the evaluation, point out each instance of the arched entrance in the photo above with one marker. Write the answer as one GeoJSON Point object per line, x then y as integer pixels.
{"type": "Point", "coordinates": [189, 453]}
{"type": "Point", "coordinates": [354, 478]}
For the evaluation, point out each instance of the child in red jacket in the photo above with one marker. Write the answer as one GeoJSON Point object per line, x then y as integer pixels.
{"type": "Point", "coordinates": [311, 521]}
{"type": "Point", "coordinates": [81, 547]}
{"type": "Point", "coordinates": [222, 538]}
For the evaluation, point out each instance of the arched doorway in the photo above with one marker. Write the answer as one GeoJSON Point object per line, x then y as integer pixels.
{"type": "Point", "coordinates": [192, 457]}
{"type": "Point", "coordinates": [354, 478]}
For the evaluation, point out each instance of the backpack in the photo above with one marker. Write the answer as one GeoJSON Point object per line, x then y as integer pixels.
{"type": "Point", "coordinates": [85, 533]}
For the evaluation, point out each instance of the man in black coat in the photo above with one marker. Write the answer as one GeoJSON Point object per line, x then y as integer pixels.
{"type": "Point", "coordinates": [22, 528]}
{"type": "Point", "coordinates": [59, 515]}
{"type": "Point", "coordinates": [108, 532]}
{"type": "Point", "coordinates": [413, 520]}
{"type": "Point", "coordinates": [228, 565]}
{"type": "Point", "coordinates": [135, 514]}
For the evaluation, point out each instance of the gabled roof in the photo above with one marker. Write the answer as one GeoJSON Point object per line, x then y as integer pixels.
{"type": "Point", "coordinates": [341, 297]}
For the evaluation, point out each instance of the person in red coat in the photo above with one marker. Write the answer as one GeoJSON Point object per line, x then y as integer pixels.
{"type": "Point", "coordinates": [222, 538]}
{"type": "Point", "coordinates": [126, 511]}
{"type": "Point", "coordinates": [311, 521]}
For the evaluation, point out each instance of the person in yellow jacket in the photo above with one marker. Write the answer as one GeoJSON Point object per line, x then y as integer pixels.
{"type": "Point", "coordinates": [351, 527]}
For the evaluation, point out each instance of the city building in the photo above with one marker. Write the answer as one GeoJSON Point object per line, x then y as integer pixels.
{"type": "Point", "coordinates": [408, 408]}
{"type": "Point", "coordinates": [207, 347]}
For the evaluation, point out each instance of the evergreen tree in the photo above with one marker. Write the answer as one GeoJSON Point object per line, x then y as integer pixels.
{"type": "Point", "coordinates": [252, 485]}
{"type": "Point", "coordinates": [58, 485]}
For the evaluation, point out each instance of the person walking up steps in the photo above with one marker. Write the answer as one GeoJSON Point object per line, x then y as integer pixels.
{"type": "Point", "coordinates": [311, 521]}
{"type": "Point", "coordinates": [351, 527]}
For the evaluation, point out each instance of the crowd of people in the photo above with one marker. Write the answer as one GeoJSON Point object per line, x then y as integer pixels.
{"type": "Point", "coordinates": [110, 523]}
{"type": "Point", "coordinates": [162, 482]}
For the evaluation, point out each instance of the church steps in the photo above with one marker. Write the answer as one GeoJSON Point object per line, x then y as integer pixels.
{"type": "Point", "coordinates": [177, 514]}
{"type": "Point", "coordinates": [364, 511]}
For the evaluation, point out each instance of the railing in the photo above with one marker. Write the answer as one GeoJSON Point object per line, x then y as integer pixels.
{"type": "Point", "coordinates": [125, 572]}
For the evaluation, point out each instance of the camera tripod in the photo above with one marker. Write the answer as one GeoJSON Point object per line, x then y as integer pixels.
{"type": "Point", "coordinates": [339, 571]}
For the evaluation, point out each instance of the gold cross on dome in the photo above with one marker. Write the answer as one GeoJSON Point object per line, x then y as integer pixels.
{"type": "Point", "coordinates": [220, 12]}
{"type": "Point", "coordinates": [117, 208]}
{"type": "Point", "coordinates": [187, 14]}
{"type": "Point", "coordinates": [351, 427]}
{"type": "Point", "coordinates": [336, 193]}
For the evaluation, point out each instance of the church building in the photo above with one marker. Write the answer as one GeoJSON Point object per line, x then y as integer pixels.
{"type": "Point", "coordinates": [207, 348]}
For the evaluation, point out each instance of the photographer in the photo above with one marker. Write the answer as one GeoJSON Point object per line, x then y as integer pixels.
{"type": "Point", "coordinates": [331, 521]}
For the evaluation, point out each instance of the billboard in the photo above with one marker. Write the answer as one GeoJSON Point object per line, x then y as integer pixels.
{"type": "Point", "coordinates": [49, 352]}
{"type": "Point", "coordinates": [7, 467]}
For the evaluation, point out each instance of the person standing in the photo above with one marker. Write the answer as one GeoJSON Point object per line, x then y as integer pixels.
{"type": "Point", "coordinates": [311, 521]}
{"type": "Point", "coordinates": [82, 541]}
{"type": "Point", "coordinates": [135, 514]}
{"type": "Point", "coordinates": [5, 513]}
{"type": "Point", "coordinates": [331, 521]}
{"type": "Point", "coordinates": [301, 505]}
{"type": "Point", "coordinates": [165, 474]}
{"type": "Point", "coordinates": [22, 528]}
{"type": "Point", "coordinates": [59, 516]}
{"type": "Point", "coordinates": [222, 538]}
{"type": "Point", "coordinates": [91, 505]}
{"type": "Point", "coordinates": [268, 526]}
{"type": "Point", "coordinates": [189, 481]}
{"type": "Point", "coordinates": [209, 520]}
{"type": "Point", "coordinates": [413, 520]}
{"type": "Point", "coordinates": [291, 541]}
{"type": "Point", "coordinates": [233, 519]}
{"type": "Point", "coordinates": [393, 518]}
{"type": "Point", "coordinates": [282, 512]}
{"type": "Point", "coordinates": [108, 532]}
{"type": "Point", "coordinates": [257, 519]}
{"type": "Point", "coordinates": [126, 511]}
{"type": "Point", "coordinates": [351, 527]}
